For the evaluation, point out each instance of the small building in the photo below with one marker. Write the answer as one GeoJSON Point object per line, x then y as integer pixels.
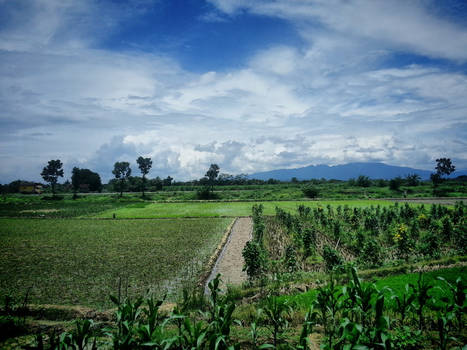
{"type": "Point", "coordinates": [30, 187]}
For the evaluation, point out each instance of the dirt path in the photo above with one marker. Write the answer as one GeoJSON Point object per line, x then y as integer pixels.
{"type": "Point", "coordinates": [230, 261]}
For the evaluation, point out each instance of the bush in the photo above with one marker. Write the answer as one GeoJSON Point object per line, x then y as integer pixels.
{"type": "Point", "coordinates": [430, 245]}
{"type": "Point", "coordinates": [371, 253]}
{"type": "Point", "coordinates": [205, 194]}
{"type": "Point", "coordinates": [395, 184]}
{"type": "Point", "coordinates": [310, 191]}
{"type": "Point", "coordinates": [363, 181]}
{"type": "Point", "coordinates": [332, 258]}
{"type": "Point", "coordinates": [254, 258]}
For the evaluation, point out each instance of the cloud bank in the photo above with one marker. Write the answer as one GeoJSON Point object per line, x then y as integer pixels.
{"type": "Point", "coordinates": [344, 95]}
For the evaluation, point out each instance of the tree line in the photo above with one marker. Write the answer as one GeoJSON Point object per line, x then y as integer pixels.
{"type": "Point", "coordinates": [85, 180]}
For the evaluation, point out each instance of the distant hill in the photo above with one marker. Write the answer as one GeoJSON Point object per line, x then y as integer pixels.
{"type": "Point", "coordinates": [345, 172]}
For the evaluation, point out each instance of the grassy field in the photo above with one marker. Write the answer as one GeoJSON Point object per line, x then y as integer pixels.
{"type": "Point", "coordinates": [79, 262]}
{"type": "Point", "coordinates": [218, 209]}
{"type": "Point", "coordinates": [395, 283]}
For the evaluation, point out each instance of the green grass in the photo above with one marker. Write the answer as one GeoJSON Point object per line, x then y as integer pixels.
{"type": "Point", "coordinates": [79, 262]}
{"type": "Point", "coordinates": [395, 283]}
{"type": "Point", "coordinates": [218, 209]}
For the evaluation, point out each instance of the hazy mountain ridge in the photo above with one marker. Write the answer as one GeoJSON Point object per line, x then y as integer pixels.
{"type": "Point", "coordinates": [347, 171]}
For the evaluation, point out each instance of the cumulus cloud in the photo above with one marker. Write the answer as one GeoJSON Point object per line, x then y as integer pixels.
{"type": "Point", "coordinates": [333, 100]}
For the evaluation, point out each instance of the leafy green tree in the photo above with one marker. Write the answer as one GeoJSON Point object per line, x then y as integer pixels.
{"type": "Point", "coordinates": [371, 253]}
{"type": "Point", "coordinates": [310, 191]}
{"type": "Point", "coordinates": [444, 166]}
{"type": "Point", "coordinates": [167, 181]}
{"type": "Point", "coordinates": [52, 172]}
{"type": "Point", "coordinates": [395, 184]}
{"type": "Point", "coordinates": [413, 180]}
{"type": "Point", "coordinates": [363, 181]}
{"type": "Point", "coordinates": [254, 258]}
{"type": "Point", "coordinates": [85, 177]}
{"type": "Point", "coordinates": [122, 172]}
{"type": "Point", "coordinates": [144, 165]}
{"type": "Point", "coordinates": [156, 184]}
{"type": "Point", "coordinates": [212, 174]}
{"type": "Point", "coordinates": [208, 182]}
{"type": "Point", "coordinates": [332, 258]}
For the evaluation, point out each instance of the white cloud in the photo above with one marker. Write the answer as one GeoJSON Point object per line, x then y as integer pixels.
{"type": "Point", "coordinates": [406, 25]}
{"type": "Point", "coordinates": [330, 101]}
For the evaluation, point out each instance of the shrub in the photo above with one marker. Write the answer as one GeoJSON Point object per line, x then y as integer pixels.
{"type": "Point", "coordinates": [332, 258]}
{"type": "Point", "coordinates": [205, 193]}
{"type": "Point", "coordinates": [309, 240]}
{"type": "Point", "coordinates": [363, 181]}
{"type": "Point", "coordinates": [254, 258]}
{"type": "Point", "coordinates": [290, 259]}
{"type": "Point", "coordinates": [430, 245]}
{"type": "Point", "coordinates": [395, 184]}
{"type": "Point", "coordinates": [371, 253]}
{"type": "Point", "coordinates": [310, 191]}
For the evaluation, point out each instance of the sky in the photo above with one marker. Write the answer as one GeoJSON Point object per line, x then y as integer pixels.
{"type": "Point", "coordinates": [251, 85]}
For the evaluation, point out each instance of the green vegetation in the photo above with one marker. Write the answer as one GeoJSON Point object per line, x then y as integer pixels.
{"type": "Point", "coordinates": [34, 206]}
{"type": "Point", "coordinates": [216, 209]}
{"type": "Point", "coordinates": [72, 252]}
{"type": "Point", "coordinates": [81, 262]}
{"type": "Point", "coordinates": [350, 315]}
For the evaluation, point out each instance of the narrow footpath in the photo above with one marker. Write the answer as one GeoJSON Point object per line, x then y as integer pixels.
{"type": "Point", "coordinates": [230, 261]}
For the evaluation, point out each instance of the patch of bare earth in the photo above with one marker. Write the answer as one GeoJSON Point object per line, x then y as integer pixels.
{"type": "Point", "coordinates": [230, 261]}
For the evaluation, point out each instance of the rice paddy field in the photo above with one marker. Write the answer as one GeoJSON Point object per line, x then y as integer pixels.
{"type": "Point", "coordinates": [220, 209]}
{"type": "Point", "coordinates": [81, 262]}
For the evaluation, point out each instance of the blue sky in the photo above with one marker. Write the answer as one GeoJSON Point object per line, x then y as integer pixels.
{"type": "Point", "coordinates": [249, 85]}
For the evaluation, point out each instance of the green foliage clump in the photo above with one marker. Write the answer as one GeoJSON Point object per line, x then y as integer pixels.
{"type": "Point", "coordinates": [332, 258]}
{"type": "Point", "coordinates": [254, 258]}
{"type": "Point", "coordinates": [371, 254]}
{"type": "Point", "coordinates": [310, 191]}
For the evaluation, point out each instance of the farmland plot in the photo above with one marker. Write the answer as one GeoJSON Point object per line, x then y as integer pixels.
{"type": "Point", "coordinates": [81, 262]}
{"type": "Point", "coordinates": [220, 209]}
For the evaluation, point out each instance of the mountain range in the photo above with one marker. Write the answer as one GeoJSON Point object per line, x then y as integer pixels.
{"type": "Point", "coordinates": [347, 171]}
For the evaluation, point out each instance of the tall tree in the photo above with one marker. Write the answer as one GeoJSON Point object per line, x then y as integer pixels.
{"type": "Point", "coordinates": [444, 166]}
{"type": "Point", "coordinates": [167, 181]}
{"type": "Point", "coordinates": [144, 165]}
{"type": "Point", "coordinates": [52, 172]}
{"type": "Point", "coordinates": [81, 177]}
{"type": "Point", "coordinates": [211, 174]}
{"type": "Point", "coordinates": [121, 172]}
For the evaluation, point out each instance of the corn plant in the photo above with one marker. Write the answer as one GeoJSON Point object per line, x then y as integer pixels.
{"type": "Point", "coordinates": [194, 335]}
{"type": "Point", "coordinates": [330, 300]}
{"type": "Point", "coordinates": [276, 312]}
{"type": "Point", "coordinates": [219, 317]}
{"type": "Point", "coordinates": [458, 306]}
{"type": "Point", "coordinates": [84, 336]}
{"type": "Point", "coordinates": [127, 315]}
{"type": "Point", "coordinates": [443, 321]}
{"type": "Point", "coordinates": [404, 303]}
{"type": "Point", "coordinates": [254, 327]}
{"type": "Point", "coordinates": [421, 297]}
{"type": "Point", "coordinates": [307, 327]}
{"type": "Point", "coordinates": [360, 296]}
{"type": "Point", "coordinates": [150, 330]}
